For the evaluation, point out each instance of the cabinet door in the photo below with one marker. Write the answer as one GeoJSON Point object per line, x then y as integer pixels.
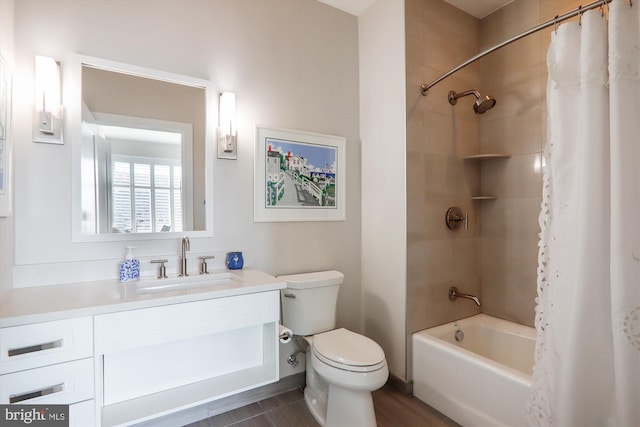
{"type": "Point", "coordinates": [40, 344]}
{"type": "Point", "coordinates": [64, 383]}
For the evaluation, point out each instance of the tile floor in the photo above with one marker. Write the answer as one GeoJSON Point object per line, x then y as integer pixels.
{"type": "Point", "coordinates": [393, 409]}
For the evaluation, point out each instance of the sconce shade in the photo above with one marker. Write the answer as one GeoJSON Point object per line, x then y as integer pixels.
{"type": "Point", "coordinates": [47, 85]}
{"type": "Point", "coordinates": [227, 140]}
{"type": "Point", "coordinates": [228, 113]}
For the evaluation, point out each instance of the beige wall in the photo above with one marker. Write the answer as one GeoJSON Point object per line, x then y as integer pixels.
{"type": "Point", "coordinates": [438, 136]}
{"type": "Point", "coordinates": [516, 75]}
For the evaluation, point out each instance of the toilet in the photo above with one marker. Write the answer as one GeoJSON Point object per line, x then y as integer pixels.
{"type": "Point", "coordinates": [343, 367]}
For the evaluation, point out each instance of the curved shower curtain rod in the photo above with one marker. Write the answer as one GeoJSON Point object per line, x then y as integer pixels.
{"type": "Point", "coordinates": [424, 88]}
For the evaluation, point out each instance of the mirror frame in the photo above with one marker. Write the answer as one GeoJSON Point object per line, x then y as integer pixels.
{"type": "Point", "coordinates": [72, 88]}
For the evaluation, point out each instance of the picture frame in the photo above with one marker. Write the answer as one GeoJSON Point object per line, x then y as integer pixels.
{"type": "Point", "coordinates": [6, 152]}
{"type": "Point", "coordinates": [299, 176]}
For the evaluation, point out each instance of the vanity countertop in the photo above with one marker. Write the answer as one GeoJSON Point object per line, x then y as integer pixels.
{"type": "Point", "coordinates": [46, 303]}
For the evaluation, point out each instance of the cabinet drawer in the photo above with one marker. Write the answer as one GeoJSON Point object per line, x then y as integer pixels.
{"type": "Point", "coordinates": [82, 414]}
{"type": "Point", "coordinates": [65, 383]}
{"type": "Point", "coordinates": [150, 326]}
{"type": "Point", "coordinates": [40, 344]}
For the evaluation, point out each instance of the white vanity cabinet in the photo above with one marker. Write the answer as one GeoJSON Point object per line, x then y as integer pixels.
{"type": "Point", "coordinates": [119, 358]}
{"type": "Point", "coordinates": [164, 359]}
{"type": "Point", "coordinates": [50, 363]}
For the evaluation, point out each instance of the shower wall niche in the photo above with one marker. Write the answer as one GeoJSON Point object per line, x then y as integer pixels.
{"type": "Point", "coordinates": [483, 195]}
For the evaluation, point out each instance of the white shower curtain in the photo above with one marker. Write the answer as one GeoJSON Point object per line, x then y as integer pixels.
{"type": "Point", "coordinates": [587, 363]}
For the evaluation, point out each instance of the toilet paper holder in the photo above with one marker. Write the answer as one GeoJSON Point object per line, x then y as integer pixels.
{"type": "Point", "coordinates": [284, 334]}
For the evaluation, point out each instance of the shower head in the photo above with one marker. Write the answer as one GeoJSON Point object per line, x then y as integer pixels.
{"type": "Point", "coordinates": [482, 104]}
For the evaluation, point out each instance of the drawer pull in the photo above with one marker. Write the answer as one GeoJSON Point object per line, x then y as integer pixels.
{"type": "Point", "coordinates": [15, 398]}
{"type": "Point", "coordinates": [33, 348]}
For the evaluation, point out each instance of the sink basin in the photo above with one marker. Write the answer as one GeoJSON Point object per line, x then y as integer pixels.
{"type": "Point", "coordinates": [189, 282]}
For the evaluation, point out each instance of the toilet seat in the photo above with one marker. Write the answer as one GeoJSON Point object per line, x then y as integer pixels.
{"type": "Point", "coordinates": [346, 350]}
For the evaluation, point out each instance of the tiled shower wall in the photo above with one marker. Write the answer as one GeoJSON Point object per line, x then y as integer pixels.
{"type": "Point", "coordinates": [438, 37]}
{"type": "Point", "coordinates": [496, 258]}
{"type": "Point", "coordinates": [516, 76]}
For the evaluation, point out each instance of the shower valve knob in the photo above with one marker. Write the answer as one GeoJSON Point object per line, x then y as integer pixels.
{"type": "Point", "coordinates": [454, 218]}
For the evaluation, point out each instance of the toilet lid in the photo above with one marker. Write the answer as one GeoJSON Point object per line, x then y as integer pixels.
{"type": "Point", "coordinates": [348, 348]}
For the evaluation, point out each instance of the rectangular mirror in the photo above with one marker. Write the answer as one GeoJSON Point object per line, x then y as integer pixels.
{"type": "Point", "coordinates": [141, 152]}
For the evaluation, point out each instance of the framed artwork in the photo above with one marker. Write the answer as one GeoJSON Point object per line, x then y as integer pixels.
{"type": "Point", "coordinates": [299, 176]}
{"type": "Point", "coordinates": [5, 141]}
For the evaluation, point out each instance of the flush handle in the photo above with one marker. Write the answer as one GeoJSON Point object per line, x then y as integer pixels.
{"type": "Point", "coordinates": [290, 296]}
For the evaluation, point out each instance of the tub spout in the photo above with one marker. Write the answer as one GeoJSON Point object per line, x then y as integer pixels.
{"type": "Point", "coordinates": [453, 294]}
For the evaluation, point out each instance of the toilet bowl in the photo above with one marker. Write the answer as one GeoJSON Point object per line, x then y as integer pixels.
{"type": "Point", "coordinates": [343, 367]}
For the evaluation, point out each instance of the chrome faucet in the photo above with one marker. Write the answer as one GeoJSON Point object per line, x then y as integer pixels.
{"type": "Point", "coordinates": [183, 257]}
{"type": "Point", "coordinates": [453, 294]}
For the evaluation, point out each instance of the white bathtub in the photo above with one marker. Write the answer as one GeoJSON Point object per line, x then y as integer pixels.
{"type": "Point", "coordinates": [484, 380]}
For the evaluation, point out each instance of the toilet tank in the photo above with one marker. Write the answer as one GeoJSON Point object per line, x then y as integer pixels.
{"type": "Point", "coordinates": [309, 301]}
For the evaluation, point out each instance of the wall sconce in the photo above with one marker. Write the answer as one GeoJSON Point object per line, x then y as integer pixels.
{"type": "Point", "coordinates": [227, 134]}
{"type": "Point", "coordinates": [47, 121]}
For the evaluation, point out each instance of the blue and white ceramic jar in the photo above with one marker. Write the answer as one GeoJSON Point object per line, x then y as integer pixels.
{"type": "Point", "coordinates": [235, 261]}
{"type": "Point", "coordinates": [130, 267]}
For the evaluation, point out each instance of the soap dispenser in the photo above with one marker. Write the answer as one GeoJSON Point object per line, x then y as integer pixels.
{"type": "Point", "coordinates": [130, 267]}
